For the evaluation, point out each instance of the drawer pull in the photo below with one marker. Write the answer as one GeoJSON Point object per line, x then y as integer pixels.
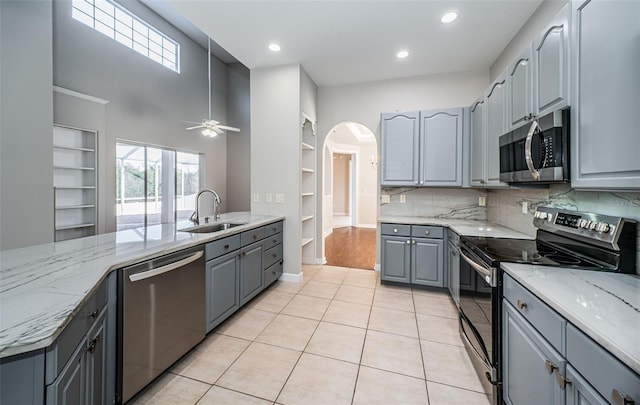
{"type": "Point", "coordinates": [426, 232]}
{"type": "Point", "coordinates": [274, 255]}
{"type": "Point", "coordinates": [521, 304]}
{"type": "Point", "coordinates": [91, 347]}
{"type": "Point", "coordinates": [562, 380]}
{"type": "Point", "coordinates": [226, 246]}
{"type": "Point", "coordinates": [395, 230]}
{"type": "Point", "coordinates": [255, 236]}
{"type": "Point", "coordinates": [550, 366]}
{"type": "Point", "coordinates": [408, 242]}
{"type": "Point", "coordinates": [621, 399]}
{"type": "Point", "coordinates": [94, 314]}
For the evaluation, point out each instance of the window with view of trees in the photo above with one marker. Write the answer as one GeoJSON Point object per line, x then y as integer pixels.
{"type": "Point", "coordinates": [154, 185]}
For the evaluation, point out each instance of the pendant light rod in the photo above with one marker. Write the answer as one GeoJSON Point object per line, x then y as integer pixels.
{"type": "Point", "coordinates": [209, 72]}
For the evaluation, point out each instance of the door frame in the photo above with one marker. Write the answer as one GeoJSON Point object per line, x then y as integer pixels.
{"type": "Point", "coordinates": [353, 181]}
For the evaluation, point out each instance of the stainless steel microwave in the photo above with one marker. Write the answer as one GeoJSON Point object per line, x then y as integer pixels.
{"type": "Point", "coordinates": [537, 153]}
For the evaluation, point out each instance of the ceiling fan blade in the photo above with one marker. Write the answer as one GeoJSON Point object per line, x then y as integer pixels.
{"type": "Point", "coordinates": [217, 130]}
{"type": "Point", "coordinates": [210, 122]}
{"type": "Point", "coordinates": [192, 122]}
{"type": "Point", "coordinates": [196, 127]}
{"type": "Point", "coordinates": [234, 129]}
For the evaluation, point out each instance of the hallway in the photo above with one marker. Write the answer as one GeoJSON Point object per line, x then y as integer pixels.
{"type": "Point", "coordinates": [351, 247]}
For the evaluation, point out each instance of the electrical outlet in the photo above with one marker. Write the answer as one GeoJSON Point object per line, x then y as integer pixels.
{"type": "Point", "coordinates": [403, 198]}
{"type": "Point", "coordinates": [279, 198]}
{"type": "Point", "coordinates": [269, 197]}
{"type": "Point", "coordinates": [385, 198]}
{"type": "Point", "coordinates": [256, 197]}
{"type": "Point", "coordinates": [482, 201]}
{"type": "Point", "coordinates": [525, 207]}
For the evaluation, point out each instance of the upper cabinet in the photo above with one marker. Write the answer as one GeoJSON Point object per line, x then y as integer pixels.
{"type": "Point", "coordinates": [551, 65]}
{"type": "Point", "coordinates": [399, 148]}
{"type": "Point", "coordinates": [422, 148]}
{"type": "Point", "coordinates": [496, 110]}
{"type": "Point", "coordinates": [441, 134]}
{"type": "Point", "coordinates": [606, 95]}
{"type": "Point", "coordinates": [520, 90]}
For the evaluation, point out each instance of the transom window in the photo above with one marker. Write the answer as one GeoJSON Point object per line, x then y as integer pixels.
{"type": "Point", "coordinates": [119, 24]}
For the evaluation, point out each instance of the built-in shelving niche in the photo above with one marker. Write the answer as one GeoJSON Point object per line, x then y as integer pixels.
{"type": "Point", "coordinates": [308, 190]}
{"type": "Point", "coordinates": [74, 182]}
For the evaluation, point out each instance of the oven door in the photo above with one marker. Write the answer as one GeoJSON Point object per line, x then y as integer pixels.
{"type": "Point", "coordinates": [480, 319]}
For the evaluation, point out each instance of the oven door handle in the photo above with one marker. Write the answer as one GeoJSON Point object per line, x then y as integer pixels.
{"type": "Point", "coordinates": [528, 153]}
{"type": "Point", "coordinates": [487, 273]}
{"type": "Point", "coordinates": [164, 269]}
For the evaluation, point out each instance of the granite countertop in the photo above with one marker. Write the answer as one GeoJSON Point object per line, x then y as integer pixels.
{"type": "Point", "coordinates": [463, 227]}
{"type": "Point", "coordinates": [605, 306]}
{"type": "Point", "coordinates": [42, 287]}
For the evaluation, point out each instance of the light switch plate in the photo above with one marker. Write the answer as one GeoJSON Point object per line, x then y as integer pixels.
{"type": "Point", "coordinates": [256, 197]}
{"type": "Point", "coordinates": [279, 198]}
{"type": "Point", "coordinates": [482, 201]}
{"type": "Point", "coordinates": [269, 197]}
{"type": "Point", "coordinates": [525, 207]}
{"type": "Point", "coordinates": [403, 198]}
{"type": "Point", "coordinates": [385, 198]}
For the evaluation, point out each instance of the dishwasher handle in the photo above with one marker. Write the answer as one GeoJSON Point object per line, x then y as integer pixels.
{"type": "Point", "coordinates": [164, 269]}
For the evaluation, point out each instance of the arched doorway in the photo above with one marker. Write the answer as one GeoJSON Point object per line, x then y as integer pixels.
{"type": "Point", "coordinates": [349, 196]}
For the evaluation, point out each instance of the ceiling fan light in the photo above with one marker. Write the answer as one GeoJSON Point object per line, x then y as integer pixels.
{"type": "Point", "coordinates": [207, 132]}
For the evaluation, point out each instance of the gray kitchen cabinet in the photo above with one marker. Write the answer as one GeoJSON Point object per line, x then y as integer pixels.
{"type": "Point", "coordinates": [605, 95]}
{"type": "Point", "coordinates": [579, 391]}
{"type": "Point", "coordinates": [22, 378]}
{"type": "Point", "coordinates": [520, 90]}
{"type": "Point", "coordinates": [453, 262]}
{"type": "Point", "coordinates": [396, 258]}
{"type": "Point", "coordinates": [551, 65]}
{"type": "Point", "coordinates": [478, 163]}
{"type": "Point", "coordinates": [223, 280]}
{"type": "Point", "coordinates": [427, 262]}
{"type": "Point", "coordinates": [251, 271]}
{"type": "Point", "coordinates": [441, 133]}
{"type": "Point", "coordinates": [529, 363]}
{"type": "Point", "coordinates": [496, 110]}
{"type": "Point", "coordinates": [399, 148]}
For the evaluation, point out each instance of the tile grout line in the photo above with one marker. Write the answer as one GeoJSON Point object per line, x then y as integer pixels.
{"type": "Point", "coordinates": [364, 342]}
{"type": "Point", "coordinates": [424, 364]}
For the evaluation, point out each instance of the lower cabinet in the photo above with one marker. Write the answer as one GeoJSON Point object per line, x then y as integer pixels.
{"type": "Point", "coordinates": [223, 280]}
{"type": "Point", "coordinates": [251, 271]}
{"type": "Point", "coordinates": [580, 392]}
{"type": "Point", "coordinates": [407, 257]}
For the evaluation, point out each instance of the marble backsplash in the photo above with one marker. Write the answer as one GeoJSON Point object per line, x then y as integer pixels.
{"type": "Point", "coordinates": [504, 207]}
{"type": "Point", "coordinates": [434, 202]}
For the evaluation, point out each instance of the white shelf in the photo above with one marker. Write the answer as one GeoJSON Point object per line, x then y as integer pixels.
{"type": "Point", "coordinates": [75, 226]}
{"type": "Point", "coordinates": [74, 148]}
{"type": "Point", "coordinates": [74, 167]}
{"type": "Point", "coordinates": [307, 218]}
{"type": "Point", "coordinates": [306, 241]}
{"type": "Point", "coordinates": [74, 207]}
{"type": "Point", "coordinates": [307, 194]}
{"type": "Point", "coordinates": [74, 187]}
{"type": "Point", "coordinates": [306, 146]}
{"type": "Point", "coordinates": [307, 170]}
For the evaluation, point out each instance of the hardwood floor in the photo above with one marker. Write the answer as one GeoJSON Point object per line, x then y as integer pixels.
{"type": "Point", "coordinates": [351, 247]}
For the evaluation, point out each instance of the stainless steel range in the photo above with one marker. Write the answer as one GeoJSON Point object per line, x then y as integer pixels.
{"type": "Point", "coordinates": [565, 239]}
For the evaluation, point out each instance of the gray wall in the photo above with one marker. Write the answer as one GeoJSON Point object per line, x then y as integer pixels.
{"type": "Point", "coordinates": [238, 144]}
{"type": "Point", "coordinates": [26, 117]}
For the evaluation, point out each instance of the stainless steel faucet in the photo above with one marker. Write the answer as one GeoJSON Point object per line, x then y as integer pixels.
{"type": "Point", "coordinates": [195, 217]}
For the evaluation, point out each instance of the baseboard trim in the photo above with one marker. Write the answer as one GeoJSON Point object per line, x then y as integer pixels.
{"type": "Point", "coordinates": [368, 226]}
{"type": "Point", "coordinates": [296, 278]}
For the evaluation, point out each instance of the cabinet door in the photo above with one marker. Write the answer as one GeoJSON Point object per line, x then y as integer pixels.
{"type": "Point", "coordinates": [396, 259]}
{"type": "Point", "coordinates": [530, 364]}
{"type": "Point", "coordinates": [454, 273]}
{"type": "Point", "coordinates": [69, 387]}
{"type": "Point", "coordinates": [441, 147]}
{"type": "Point", "coordinates": [551, 65]}
{"type": "Point", "coordinates": [251, 272]}
{"type": "Point", "coordinates": [520, 88]}
{"type": "Point", "coordinates": [222, 280]}
{"type": "Point", "coordinates": [96, 361]}
{"type": "Point", "coordinates": [427, 262]}
{"type": "Point", "coordinates": [579, 391]}
{"type": "Point", "coordinates": [478, 130]}
{"type": "Point", "coordinates": [606, 85]}
{"type": "Point", "coordinates": [496, 126]}
{"type": "Point", "coordinates": [399, 149]}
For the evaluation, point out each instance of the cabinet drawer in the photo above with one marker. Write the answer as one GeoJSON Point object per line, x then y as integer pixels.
{"type": "Point", "coordinates": [220, 247]}
{"type": "Point", "coordinates": [542, 317]}
{"type": "Point", "coordinates": [396, 229]}
{"type": "Point", "coordinates": [272, 229]}
{"type": "Point", "coordinates": [272, 273]}
{"type": "Point", "coordinates": [603, 370]}
{"type": "Point", "coordinates": [272, 241]}
{"type": "Point", "coordinates": [251, 236]}
{"type": "Point", "coordinates": [59, 353]}
{"type": "Point", "coordinates": [271, 256]}
{"type": "Point", "coordinates": [423, 231]}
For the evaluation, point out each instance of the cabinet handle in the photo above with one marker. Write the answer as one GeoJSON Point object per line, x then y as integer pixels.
{"type": "Point", "coordinates": [255, 236]}
{"type": "Point", "coordinates": [621, 399]}
{"type": "Point", "coordinates": [454, 252]}
{"type": "Point", "coordinates": [426, 232]}
{"type": "Point", "coordinates": [94, 314]}
{"type": "Point", "coordinates": [550, 366]}
{"type": "Point", "coordinates": [226, 246]}
{"type": "Point", "coordinates": [408, 242]}
{"type": "Point", "coordinates": [273, 272]}
{"type": "Point", "coordinates": [244, 253]}
{"type": "Point", "coordinates": [274, 255]}
{"type": "Point", "coordinates": [521, 304]}
{"type": "Point", "coordinates": [562, 380]}
{"type": "Point", "coordinates": [414, 242]}
{"type": "Point", "coordinates": [91, 347]}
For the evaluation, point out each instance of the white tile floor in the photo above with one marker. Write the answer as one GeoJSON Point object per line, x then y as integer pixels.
{"type": "Point", "coordinates": [340, 337]}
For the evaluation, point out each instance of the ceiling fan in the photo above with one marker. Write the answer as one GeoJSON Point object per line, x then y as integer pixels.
{"type": "Point", "coordinates": [210, 126]}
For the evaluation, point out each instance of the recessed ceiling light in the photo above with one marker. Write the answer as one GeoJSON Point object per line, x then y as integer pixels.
{"type": "Point", "coordinates": [274, 47]}
{"type": "Point", "coordinates": [449, 17]}
{"type": "Point", "coordinates": [402, 54]}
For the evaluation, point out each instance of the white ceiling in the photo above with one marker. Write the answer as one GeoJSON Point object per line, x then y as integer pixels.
{"type": "Point", "coordinates": [347, 41]}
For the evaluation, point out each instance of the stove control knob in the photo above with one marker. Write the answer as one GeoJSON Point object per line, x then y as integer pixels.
{"type": "Point", "coordinates": [583, 223]}
{"type": "Point", "coordinates": [543, 215]}
{"type": "Point", "coordinates": [593, 225]}
{"type": "Point", "coordinates": [603, 228]}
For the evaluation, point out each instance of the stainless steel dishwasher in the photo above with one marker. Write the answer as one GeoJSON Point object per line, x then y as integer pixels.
{"type": "Point", "coordinates": [163, 315]}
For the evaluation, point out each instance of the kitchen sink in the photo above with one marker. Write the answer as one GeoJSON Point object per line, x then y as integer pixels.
{"type": "Point", "coordinates": [209, 228]}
